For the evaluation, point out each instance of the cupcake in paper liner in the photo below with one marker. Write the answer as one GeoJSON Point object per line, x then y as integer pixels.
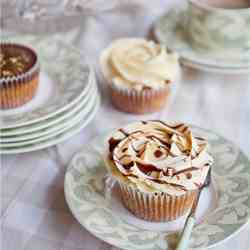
{"type": "Point", "coordinates": [159, 167]}
{"type": "Point", "coordinates": [18, 75]}
{"type": "Point", "coordinates": [139, 74]}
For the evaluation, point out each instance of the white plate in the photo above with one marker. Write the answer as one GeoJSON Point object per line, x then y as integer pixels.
{"type": "Point", "coordinates": [46, 126]}
{"type": "Point", "coordinates": [65, 75]}
{"type": "Point", "coordinates": [169, 31]}
{"type": "Point", "coordinates": [56, 139]}
{"type": "Point", "coordinates": [224, 208]}
{"type": "Point", "coordinates": [219, 70]}
{"type": "Point", "coordinates": [51, 132]}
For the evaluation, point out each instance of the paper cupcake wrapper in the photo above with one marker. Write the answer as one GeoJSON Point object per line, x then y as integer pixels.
{"type": "Point", "coordinates": [157, 206]}
{"type": "Point", "coordinates": [18, 90]}
{"type": "Point", "coordinates": [15, 93]}
{"type": "Point", "coordinates": [139, 102]}
{"type": "Point", "coordinates": [22, 77]}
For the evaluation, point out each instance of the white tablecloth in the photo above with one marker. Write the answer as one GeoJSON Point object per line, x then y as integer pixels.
{"type": "Point", "coordinates": [34, 215]}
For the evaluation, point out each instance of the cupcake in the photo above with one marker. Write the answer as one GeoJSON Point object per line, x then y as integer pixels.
{"type": "Point", "coordinates": [18, 75]}
{"type": "Point", "coordinates": [139, 74]}
{"type": "Point", "coordinates": [159, 167]}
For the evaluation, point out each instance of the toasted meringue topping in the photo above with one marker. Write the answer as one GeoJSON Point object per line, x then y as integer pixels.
{"type": "Point", "coordinates": [156, 156]}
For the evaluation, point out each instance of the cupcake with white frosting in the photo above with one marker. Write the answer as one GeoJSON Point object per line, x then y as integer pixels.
{"type": "Point", "coordinates": [159, 167]}
{"type": "Point", "coordinates": [139, 74]}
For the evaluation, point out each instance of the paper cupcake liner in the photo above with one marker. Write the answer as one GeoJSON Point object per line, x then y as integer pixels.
{"type": "Point", "coordinates": [16, 92]}
{"type": "Point", "coordinates": [139, 102]}
{"type": "Point", "coordinates": [157, 206]}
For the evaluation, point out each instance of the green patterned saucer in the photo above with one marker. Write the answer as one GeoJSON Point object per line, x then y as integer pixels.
{"type": "Point", "coordinates": [218, 70]}
{"type": "Point", "coordinates": [47, 133]}
{"type": "Point", "coordinates": [63, 136]}
{"type": "Point", "coordinates": [65, 73]}
{"type": "Point", "coordinates": [46, 126]}
{"type": "Point", "coordinates": [223, 211]}
{"type": "Point", "coordinates": [169, 30]}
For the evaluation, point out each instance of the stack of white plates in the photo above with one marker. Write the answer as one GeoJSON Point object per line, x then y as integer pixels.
{"type": "Point", "coordinates": [66, 101]}
{"type": "Point", "coordinates": [170, 30]}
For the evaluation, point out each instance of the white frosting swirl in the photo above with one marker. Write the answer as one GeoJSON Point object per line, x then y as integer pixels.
{"type": "Point", "coordinates": [137, 63]}
{"type": "Point", "coordinates": [156, 156]}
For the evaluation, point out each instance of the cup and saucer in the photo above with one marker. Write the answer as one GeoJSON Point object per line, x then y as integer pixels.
{"type": "Point", "coordinates": [209, 35]}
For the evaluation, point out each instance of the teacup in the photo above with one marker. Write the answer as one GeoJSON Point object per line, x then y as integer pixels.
{"type": "Point", "coordinates": [220, 26]}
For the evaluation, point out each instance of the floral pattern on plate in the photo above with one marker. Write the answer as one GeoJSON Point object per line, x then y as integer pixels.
{"type": "Point", "coordinates": [170, 30]}
{"type": "Point", "coordinates": [84, 191]}
{"type": "Point", "coordinates": [64, 64]}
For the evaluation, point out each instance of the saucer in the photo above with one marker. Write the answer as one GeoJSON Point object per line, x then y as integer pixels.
{"type": "Point", "coordinates": [169, 30]}
{"type": "Point", "coordinates": [64, 80]}
{"type": "Point", "coordinates": [223, 211]}
{"type": "Point", "coordinates": [66, 101]}
{"type": "Point", "coordinates": [53, 131]}
{"type": "Point", "coordinates": [219, 70]}
{"type": "Point", "coordinates": [56, 139]}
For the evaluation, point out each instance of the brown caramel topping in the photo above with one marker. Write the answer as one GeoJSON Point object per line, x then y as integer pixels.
{"type": "Point", "coordinates": [186, 170]}
{"type": "Point", "coordinates": [124, 150]}
{"type": "Point", "coordinates": [158, 141]}
{"type": "Point", "coordinates": [188, 175]}
{"type": "Point", "coordinates": [169, 172]}
{"type": "Point", "coordinates": [200, 138]}
{"type": "Point", "coordinates": [112, 144]}
{"type": "Point", "coordinates": [145, 168]}
{"type": "Point", "coordinates": [15, 60]}
{"type": "Point", "coordinates": [123, 131]}
{"type": "Point", "coordinates": [167, 125]}
{"type": "Point", "coordinates": [158, 153]}
{"type": "Point", "coordinates": [129, 165]}
{"type": "Point", "coordinates": [142, 150]}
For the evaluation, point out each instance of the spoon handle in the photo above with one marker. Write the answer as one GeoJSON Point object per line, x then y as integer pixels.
{"type": "Point", "coordinates": [186, 234]}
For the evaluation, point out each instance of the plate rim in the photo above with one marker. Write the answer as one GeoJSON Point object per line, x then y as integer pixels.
{"type": "Point", "coordinates": [62, 127]}
{"type": "Point", "coordinates": [157, 30]}
{"type": "Point", "coordinates": [216, 70]}
{"type": "Point", "coordinates": [64, 107]}
{"type": "Point", "coordinates": [68, 134]}
{"type": "Point", "coordinates": [50, 124]}
{"type": "Point", "coordinates": [70, 165]}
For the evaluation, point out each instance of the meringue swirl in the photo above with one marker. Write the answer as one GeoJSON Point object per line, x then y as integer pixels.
{"type": "Point", "coordinates": [138, 63]}
{"type": "Point", "coordinates": [156, 156]}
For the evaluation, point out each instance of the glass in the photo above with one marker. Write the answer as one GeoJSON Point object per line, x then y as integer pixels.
{"type": "Point", "coordinates": [67, 18]}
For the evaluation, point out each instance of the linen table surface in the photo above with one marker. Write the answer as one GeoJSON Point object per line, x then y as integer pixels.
{"type": "Point", "coordinates": [34, 214]}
